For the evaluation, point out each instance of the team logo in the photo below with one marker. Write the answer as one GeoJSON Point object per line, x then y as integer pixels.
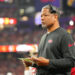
{"type": "Point", "coordinates": [70, 45]}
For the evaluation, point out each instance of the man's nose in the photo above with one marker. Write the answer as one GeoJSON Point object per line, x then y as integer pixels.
{"type": "Point", "coordinates": [42, 18]}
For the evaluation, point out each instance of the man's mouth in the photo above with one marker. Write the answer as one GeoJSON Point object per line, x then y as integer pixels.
{"type": "Point", "coordinates": [43, 22]}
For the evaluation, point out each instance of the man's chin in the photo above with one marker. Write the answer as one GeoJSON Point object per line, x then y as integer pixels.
{"type": "Point", "coordinates": [44, 26]}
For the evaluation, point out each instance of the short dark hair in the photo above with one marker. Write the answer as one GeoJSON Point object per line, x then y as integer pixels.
{"type": "Point", "coordinates": [52, 9]}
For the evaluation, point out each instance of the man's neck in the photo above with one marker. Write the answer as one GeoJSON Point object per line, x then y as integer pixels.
{"type": "Point", "coordinates": [54, 27]}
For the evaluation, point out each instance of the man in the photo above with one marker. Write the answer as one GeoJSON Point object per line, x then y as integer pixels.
{"type": "Point", "coordinates": [56, 48]}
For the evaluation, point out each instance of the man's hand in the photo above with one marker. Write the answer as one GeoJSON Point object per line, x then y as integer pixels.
{"type": "Point", "coordinates": [41, 61]}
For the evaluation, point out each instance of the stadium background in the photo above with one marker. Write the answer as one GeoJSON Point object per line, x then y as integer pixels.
{"type": "Point", "coordinates": [20, 30]}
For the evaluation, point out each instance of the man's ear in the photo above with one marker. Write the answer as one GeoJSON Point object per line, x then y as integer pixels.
{"type": "Point", "coordinates": [56, 16]}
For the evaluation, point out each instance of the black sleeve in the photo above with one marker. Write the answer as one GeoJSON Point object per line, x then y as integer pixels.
{"type": "Point", "coordinates": [68, 53]}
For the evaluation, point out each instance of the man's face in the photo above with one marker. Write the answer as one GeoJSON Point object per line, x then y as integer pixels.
{"type": "Point", "coordinates": [47, 19]}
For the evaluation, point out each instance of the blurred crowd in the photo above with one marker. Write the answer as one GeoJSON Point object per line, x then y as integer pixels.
{"type": "Point", "coordinates": [20, 38]}
{"type": "Point", "coordinates": [9, 63]}
{"type": "Point", "coordinates": [13, 66]}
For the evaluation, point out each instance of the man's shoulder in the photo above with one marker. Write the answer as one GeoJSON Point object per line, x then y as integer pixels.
{"type": "Point", "coordinates": [63, 31]}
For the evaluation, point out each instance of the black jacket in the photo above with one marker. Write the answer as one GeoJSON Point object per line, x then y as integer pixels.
{"type": "Point", "coordinates": [58, 47]}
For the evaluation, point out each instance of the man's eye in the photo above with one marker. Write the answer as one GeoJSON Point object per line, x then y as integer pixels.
{"type": "Point", "coordinates": [45, 15]}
